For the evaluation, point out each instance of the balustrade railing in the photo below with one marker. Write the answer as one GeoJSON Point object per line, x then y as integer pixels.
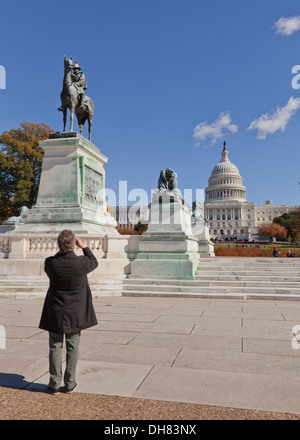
{"type": "Point", "coordinates": [4, 246]}
{"type": "Point", "coordinates": [16, 246]}
{"type": "Point", "coordinates": [49, 244]}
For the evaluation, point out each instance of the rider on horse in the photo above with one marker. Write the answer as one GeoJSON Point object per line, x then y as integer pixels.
{"type": "Point", "coordinates": [79, 82]}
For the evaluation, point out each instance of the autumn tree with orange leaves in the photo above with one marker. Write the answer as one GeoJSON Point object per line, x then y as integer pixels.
{"type": "Point", "coordinates": [273, 230]}
{"type": "Point", "coordinates": [20, 167]}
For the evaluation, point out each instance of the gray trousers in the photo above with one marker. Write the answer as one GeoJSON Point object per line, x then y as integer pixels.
{"type": "Point", "coordinates": [55, 359]}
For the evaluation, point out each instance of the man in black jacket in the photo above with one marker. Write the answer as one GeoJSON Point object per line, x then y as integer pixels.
{"type": "Point", "coordinates": [68, 307]}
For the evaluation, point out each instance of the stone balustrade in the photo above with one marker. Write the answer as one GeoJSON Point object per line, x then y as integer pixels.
{"type": "Point", "coordinates": [49, 244]}
{"type": "Point", "coordinates": [25, 246]}
{"type": "Point", "coordinates": [4, 247]}
{"type": "Point", "coordinates": [32, 247]}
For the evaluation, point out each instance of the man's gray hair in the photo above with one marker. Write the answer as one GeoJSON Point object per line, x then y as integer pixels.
{"type": "Point", "coordinates": [66, 241]}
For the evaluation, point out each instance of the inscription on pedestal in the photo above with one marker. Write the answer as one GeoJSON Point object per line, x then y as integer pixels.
{"type": "Point", "coordinates": [62, 135]}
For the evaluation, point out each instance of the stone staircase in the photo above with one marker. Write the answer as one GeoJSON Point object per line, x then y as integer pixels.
{"type": "Point", "coordinates": [225, 277]}
{"type": "Point", "coordinates": [218, 277]}
{"type": "Point", "coordinates": [34, 287]}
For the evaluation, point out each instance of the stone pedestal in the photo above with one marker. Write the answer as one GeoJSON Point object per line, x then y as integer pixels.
{"type": "Point", "coordinates": [71, 196]}
{"type": "Point", "coordinates": [72, 190]}
{"type": "Point", "coordinates": [167, 249]}
{"type": "Point", "coordinates": [201, 231]}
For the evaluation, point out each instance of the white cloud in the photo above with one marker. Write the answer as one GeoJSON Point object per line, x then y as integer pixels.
{"type": "Point", "coordinates": [287, 25]}
{"type": "Point", "coordinates": [215, 130]}
{"type": "Point", "coordinates": [271, 122]}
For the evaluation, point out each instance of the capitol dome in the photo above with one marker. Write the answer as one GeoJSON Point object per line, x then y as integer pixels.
{"type": "Point", "coordinates": [225, 183]}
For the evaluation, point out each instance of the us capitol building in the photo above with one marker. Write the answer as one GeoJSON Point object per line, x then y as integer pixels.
{"type": "Point", "coordinates": [226, 210]}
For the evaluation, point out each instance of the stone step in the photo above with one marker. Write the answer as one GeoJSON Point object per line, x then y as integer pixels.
{"type": "Point", "coordinates": [23, 295]}
{"type": "Point", "coordinates": [22, 284]}
{"type": "Point", "coordinates": [23, 277]}
{"type": "Point", "coordinates": [232, 283]}
{"type": "Point", "coordinates": [245, 272]}
{"type": "Point", "coordinates": [28, 281]}
{"type": "Point", "coordinates": [249, 264]}
{"type": "Point", "coordinates": [36, 287]}
{"type": "Point", "coordinates": [145, 293]}
{"type": "Point", "coordinates": [250, 269]}
{"type": "Point", "coordinates": [95, 288]}
{"type": "Point", "coordinates": [15, 289]}
{"type": "Point", "coordinates": [208, 282]}
{"type": "Point", "coordinates": [215, 294]}
{"type": "Point", "coordinates": [175, 287]}
{"type": "Point", "coordinates": [40, 294]}
{"type": "Point", "coordinates": [225, 278]}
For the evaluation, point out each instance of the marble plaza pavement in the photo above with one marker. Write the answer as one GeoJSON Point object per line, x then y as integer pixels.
{"type": "Point", "coordinates": [232, 353]}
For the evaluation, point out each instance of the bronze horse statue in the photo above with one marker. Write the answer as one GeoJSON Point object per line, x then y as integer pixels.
{"type": "Point", "coordinates": [70, 100]}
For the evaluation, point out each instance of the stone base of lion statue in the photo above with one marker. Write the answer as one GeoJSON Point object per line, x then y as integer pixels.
{"type": "Point", "coordinates": [168, 250]}
{"type": "Point", "coordinates": [201, 231]}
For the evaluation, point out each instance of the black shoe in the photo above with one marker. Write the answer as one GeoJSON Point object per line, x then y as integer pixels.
{"type": "Point", "coordinates": [70, 390]}
{"type": "Point", "coordinates": [53, 390]}
{"type": "Point", "coordinates": [60, 109]}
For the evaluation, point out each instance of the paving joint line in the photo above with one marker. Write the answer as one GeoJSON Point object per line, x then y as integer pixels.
{"type": "Point", "coordinates": [152, 367]}
{"type": "Point", "coordinates": [176, 357]}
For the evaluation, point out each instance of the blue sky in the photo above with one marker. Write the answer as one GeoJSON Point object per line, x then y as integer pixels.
{"type": "Point", "coordinates": [170, 80]}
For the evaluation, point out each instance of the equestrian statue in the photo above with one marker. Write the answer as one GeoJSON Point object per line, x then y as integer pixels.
{"type": "Point", "coordinates": [73, 97]}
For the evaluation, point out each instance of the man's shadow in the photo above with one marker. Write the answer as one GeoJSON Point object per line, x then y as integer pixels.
{"type": "Point", "coordinates": [17, 381]}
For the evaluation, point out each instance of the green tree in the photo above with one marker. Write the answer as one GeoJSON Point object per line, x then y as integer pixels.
{"type": "Point", "coordinates": [291, 222]}
{"type": "Point", "coordinates": [20, 167]}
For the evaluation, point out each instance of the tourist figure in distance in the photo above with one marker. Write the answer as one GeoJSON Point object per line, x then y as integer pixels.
{"type": "Point", "coordinates": [68, 307]}
{"type": "Point", "coordinates": [290, 254]}
{"type": "Point", "coordinates": [276, 253]}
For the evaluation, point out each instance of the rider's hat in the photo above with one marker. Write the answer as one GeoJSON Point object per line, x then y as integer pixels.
{"type": "Point", "coordinates": [76, 66]}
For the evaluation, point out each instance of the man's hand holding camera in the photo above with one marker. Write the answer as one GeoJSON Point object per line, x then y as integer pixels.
{"type": "Point", "coordinates": [80, 243]}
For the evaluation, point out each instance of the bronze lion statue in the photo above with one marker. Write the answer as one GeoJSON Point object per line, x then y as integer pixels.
{"type": "Point", "coordinates": [167, 180]}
